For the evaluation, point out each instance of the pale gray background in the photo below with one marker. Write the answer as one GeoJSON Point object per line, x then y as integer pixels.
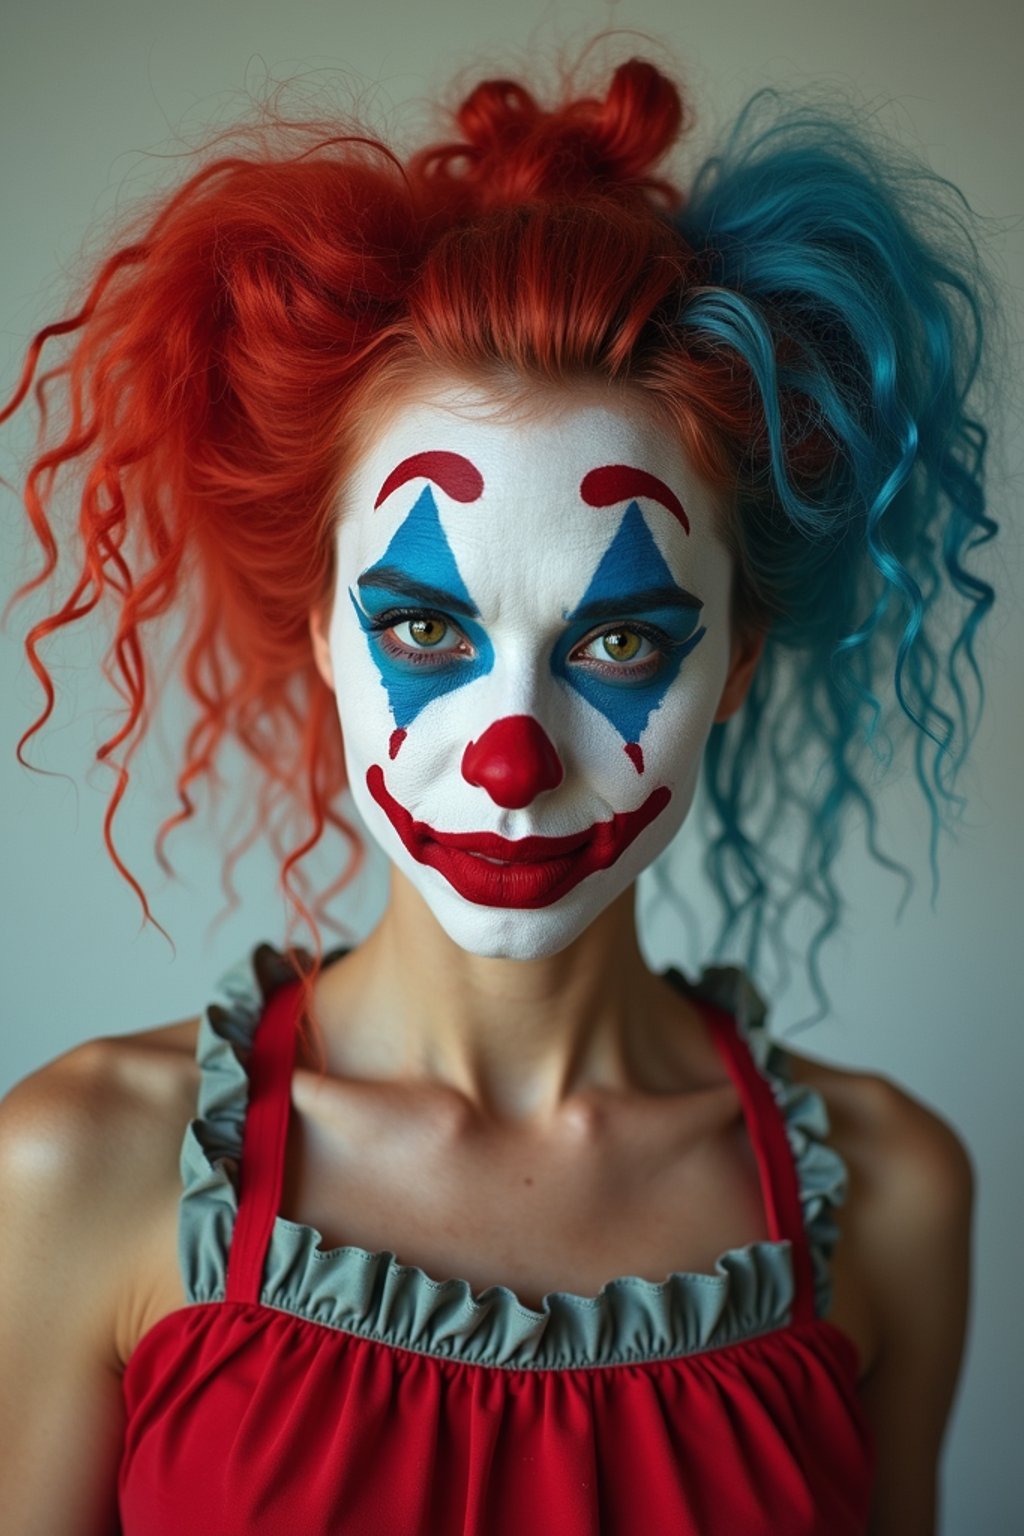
{"type": "Point", "coordinates": [90, 94]}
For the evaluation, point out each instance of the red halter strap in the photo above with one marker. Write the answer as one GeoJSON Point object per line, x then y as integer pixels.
{"type": "Point", "coordinates": [766, 1127]}
{"type": "Point", "coordinates": [261, 1172]}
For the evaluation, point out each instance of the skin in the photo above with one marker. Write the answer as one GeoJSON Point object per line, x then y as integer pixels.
{"type": "Point", "coordinates": [518, 714]}
{"type": "Point", "coordinates": [512, 1103]}
{"type": "Point", "coordinates": [518, 1009]}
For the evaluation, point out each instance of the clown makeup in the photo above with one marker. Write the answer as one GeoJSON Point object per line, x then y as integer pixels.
{"type": "Point", "coordinates": [529, 642]}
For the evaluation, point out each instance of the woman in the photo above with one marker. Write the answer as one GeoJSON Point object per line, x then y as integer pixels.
{"type": "Point", "coordinates": [505, 487]}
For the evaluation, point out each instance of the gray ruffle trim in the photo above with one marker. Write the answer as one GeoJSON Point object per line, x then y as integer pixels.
{"type": "Point", "coordinates": [821, 1172]}
{"type": "Point", "coordinates": [375, 1296]}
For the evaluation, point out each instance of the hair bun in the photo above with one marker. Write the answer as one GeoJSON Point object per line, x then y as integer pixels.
{"type": "Point", "coordinates": [513, 150]}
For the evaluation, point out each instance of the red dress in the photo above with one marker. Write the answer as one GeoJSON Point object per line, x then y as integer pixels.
{"type": "Point", "coordinates": [303, 1392]}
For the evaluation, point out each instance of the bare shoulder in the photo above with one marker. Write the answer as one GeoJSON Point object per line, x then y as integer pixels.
{"type": "Point", "coordinates": [87, 1154]}
{"type": "Point", "coordinates": [89, 1147]}
{"type": "Point", "coordinates": [910, 1159]}
{"type": "Point", "coordinates": [907, 1221]}
{"type": "Point", "coordinates": [911, 1184]}
{"type": "Point", "coordinates": [94, 1101]}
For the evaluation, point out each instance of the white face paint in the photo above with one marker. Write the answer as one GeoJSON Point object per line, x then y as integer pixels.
{"type": "Point", "coordinates": [528, 650]}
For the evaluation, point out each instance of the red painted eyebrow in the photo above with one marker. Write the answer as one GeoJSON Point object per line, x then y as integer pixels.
{"type": "Point", "coordinates": [618, 482]}
{"type": "Point", "coordinates": [456, 476]}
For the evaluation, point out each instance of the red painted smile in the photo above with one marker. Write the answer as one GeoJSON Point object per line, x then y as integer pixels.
{"type": "Point", "coordinates": [529, 871]}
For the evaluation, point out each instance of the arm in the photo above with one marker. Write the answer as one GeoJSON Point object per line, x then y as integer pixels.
{"type": "Point", "coordinates": [61, 1273]}
{"type": "Point", "coordinates": [913, 1235]}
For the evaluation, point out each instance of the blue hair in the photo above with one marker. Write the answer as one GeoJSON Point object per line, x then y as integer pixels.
{"type": "Point", "coordinates": [846, 280]}
{"type": "Point", "coordinates": [815, 319]}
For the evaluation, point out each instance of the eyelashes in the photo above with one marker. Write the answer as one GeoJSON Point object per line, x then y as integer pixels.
{"type": "Point", "coordinates": [430, 653]}
{"type": "Point", "coordinates": [644, 647]}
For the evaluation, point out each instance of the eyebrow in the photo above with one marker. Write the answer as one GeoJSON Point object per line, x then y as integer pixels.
{"type": "Point", "coordinates": [457, 477]}
{"type": "Point", "coordinates": [619, 482]}
{"type": "Point", "coordinates": [638, 602]}
{"type": "Point", "coordinates": [391, 578]}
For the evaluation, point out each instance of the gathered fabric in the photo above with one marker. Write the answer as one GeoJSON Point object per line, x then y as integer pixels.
{"type": "Point", "coordinates": [312, 1392]}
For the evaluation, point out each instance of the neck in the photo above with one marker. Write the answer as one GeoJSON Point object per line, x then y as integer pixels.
{"type": "Point", "coordinates": [517, 1039]}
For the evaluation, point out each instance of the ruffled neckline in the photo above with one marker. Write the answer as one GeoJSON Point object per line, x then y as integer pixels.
{"type": "Point", "coordinates": [374, 1295]}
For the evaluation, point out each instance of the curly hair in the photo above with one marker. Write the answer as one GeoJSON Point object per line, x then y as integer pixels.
{"type": "Point", "coordinates": [808, 313]}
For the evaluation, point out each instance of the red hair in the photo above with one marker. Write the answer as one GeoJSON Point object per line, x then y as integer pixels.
{"type": "Point", "coordinates": [229, 359]}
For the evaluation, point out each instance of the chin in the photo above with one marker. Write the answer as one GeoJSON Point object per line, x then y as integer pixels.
{"type": "Point", "coordinates": [517, 933]}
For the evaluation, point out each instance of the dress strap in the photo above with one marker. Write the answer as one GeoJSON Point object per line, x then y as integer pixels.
{"type": "Point", "coordinates": [261, 1171]}
{"type": "Point", "coordinates": [766, 1127]}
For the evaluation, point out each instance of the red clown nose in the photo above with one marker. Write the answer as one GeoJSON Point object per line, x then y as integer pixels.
{"type": "Point", "coordinates": [514, 760]}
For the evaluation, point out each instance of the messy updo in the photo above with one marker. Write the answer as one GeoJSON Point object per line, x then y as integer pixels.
{"type": "Point", "coordinates": [806, 310]}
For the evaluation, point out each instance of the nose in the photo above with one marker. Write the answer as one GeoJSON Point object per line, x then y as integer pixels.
{"type": "Point", "coordinates": [514, 760]}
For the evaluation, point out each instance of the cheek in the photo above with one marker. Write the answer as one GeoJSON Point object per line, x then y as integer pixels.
{"type": "Point", "coordinates": [361, 702]}
{"type": "Point", "coordinates": [426, 752]}
{"type": "Point", "coordinates": [413, 756]}
{"type": "Point", "coordinates": [669, 748]}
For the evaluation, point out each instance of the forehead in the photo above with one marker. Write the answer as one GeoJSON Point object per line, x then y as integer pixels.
{"type": "Point", "coordinates": [510, 487]}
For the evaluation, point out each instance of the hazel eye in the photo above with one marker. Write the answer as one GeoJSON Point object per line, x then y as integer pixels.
{"type": "Point", "coordinates": [622, 644]}
{"type": "Point", "coordinates": [625, 655]}
{"type": "Point", "coordinates": [417, 637]}
{"type": "Point", "coordinates": [428, 630]}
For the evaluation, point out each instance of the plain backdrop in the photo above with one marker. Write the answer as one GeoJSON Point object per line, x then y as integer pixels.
{"type": "Point", "coordinates": [96, 99]}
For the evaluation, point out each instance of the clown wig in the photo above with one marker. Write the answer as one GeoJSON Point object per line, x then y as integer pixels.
{"type": "Point", "coordinates": [807, 311]}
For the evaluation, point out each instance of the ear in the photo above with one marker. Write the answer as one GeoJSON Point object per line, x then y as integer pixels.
{"type": "Point", "coordinates": [746, 653]}
{"type": "Point", "coordinates": [319, 620]}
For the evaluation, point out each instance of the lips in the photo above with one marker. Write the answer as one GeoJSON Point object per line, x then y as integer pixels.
{"type": "Point", "coordinates": [534, 871]}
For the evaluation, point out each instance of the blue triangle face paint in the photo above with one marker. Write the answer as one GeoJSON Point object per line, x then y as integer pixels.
{"type": "Point", "coordinates": [419, 553]}
{"type": "Point", "coordinates": [632, 563]}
